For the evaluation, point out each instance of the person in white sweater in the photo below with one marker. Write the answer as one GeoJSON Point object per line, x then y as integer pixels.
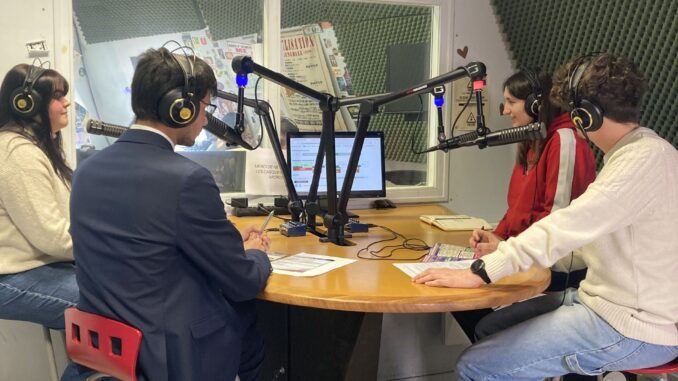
{"type": "Point", "coordinates": [37, 274]}
{"type": "Point", "coordinates": [625, 314]}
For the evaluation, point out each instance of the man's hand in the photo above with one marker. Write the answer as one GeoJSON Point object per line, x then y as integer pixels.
{"type": "Point", "coordinates": [483, 242]}
{"type": "Point", "coordinates": [260, 242]}
{"type": "Point", "coordinates": [441, 277]}
{"type": "Point", "coordinates": [249, 232]}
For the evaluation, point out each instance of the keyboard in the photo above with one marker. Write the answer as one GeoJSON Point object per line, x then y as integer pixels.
{"type": "Point", "coordinates": [256, 211]}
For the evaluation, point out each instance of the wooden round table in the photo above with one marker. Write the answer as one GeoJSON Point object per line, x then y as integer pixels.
{"type": "Point", "coordinates": [377, 285]}
{"type": "Point", "coordinates": [329, 326]}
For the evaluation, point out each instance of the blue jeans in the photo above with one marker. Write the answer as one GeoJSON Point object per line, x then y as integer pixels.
{"type": "Point", "coordinates": [516, 313]}
{"type": "Point", "coordinates": [40, 295]}
{"type": "Point", "coordinates": [571, 339]}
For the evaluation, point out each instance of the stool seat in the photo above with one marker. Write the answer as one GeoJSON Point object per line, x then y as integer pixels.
{"type": "Point", "coordinates": [670, 367]}
{"type": "Point", "coordinates": [105, 345]}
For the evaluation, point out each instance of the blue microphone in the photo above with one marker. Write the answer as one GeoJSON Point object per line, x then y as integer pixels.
{"type": "Point", "coordinates": [241, 81]}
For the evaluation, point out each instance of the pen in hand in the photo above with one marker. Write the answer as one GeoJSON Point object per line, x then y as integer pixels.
{"type": "Point", "coordinates": [268, 218]}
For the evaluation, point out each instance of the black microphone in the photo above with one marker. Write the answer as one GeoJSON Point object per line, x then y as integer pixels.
{"type": "Point", "coordinates": [532, 131]}
{"type": "Point", "coordinates": [98, 127]}
{"type": "Point", "coordinates": [222, 131]}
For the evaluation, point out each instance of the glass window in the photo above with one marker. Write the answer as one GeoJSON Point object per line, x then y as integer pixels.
{"type": "Point", "coordinates": [111, 35]}
{"type": "Point", "coordinates": [345, 48]}
{"type": "Point", "coordinates": [355, 49]}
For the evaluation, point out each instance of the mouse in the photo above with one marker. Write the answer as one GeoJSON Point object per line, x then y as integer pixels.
{"type": "Point", "coordinates": [384, 204]}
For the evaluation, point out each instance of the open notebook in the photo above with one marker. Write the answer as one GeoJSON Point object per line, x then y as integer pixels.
{"type": "Point", "coordinates": [453, 222]}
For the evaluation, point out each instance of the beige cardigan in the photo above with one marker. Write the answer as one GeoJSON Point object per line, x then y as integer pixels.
{"type": "Point", "coordinates": [626, 224]}
{"type": "Point", "coordinates": [34, 214]}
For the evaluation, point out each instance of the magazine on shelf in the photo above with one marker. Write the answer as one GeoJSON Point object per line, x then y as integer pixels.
{"type": "Point", "coordinates": [311, 57]}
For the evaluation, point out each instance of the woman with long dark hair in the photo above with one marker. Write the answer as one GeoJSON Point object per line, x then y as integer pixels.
{"type": "Point", "coordinates": [547, 175]}
{"type": "Point", "coordinates": [37, 275]}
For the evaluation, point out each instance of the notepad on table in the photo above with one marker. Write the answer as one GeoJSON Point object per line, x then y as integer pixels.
{"type": "Point", "coordinates": [452, 222]}
{"type": "Point", "coordinates": [444, 252]}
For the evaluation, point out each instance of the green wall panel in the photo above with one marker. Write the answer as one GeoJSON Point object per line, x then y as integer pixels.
{"type": "Point", "coordinates": [548, 33]}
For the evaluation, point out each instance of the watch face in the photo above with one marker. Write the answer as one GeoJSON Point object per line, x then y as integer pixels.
{"type": "Point", "coordinates": [477, 265]}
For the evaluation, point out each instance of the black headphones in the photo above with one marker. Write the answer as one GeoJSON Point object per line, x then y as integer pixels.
{"type": "Point", "coordinates": [585, 114]}
{"type": "Point", "coordinates": [178, 107]}
{"type": "Point", "coordinates": [25, 100]}
{"type": "Point", "coordinates": [533, 102]}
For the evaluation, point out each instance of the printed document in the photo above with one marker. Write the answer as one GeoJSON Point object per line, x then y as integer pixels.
{"type": "Point", "coordinates": [304, 264]}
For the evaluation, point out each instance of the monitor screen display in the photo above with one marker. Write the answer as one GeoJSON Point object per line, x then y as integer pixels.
{"type": "Point", "coordinates": [369, 181]}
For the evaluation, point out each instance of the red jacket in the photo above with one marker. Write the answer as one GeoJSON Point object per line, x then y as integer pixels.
{"type": "Point", "coordinates": [565, 168]}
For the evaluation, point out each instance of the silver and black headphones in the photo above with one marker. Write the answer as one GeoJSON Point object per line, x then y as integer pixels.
{"type": "Point", "coordinates": [178, 107]}
{"type": "Point", "coordinates": [584, 113]}
{"type": "Point", "coordinates": [25, 101]}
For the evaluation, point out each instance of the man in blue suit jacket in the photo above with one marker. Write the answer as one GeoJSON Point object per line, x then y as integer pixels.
{"type": "Point", "coordinates": [152, 243]}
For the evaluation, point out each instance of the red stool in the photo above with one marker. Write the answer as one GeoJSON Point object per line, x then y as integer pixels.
{"type": "Point", "coordinates": [662, 370]}
{"type": "Point", "coordinates": [107, 346]}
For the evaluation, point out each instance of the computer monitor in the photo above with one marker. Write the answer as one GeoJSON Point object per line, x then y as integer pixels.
{"type": "Point", "coordinates": [369, 181]}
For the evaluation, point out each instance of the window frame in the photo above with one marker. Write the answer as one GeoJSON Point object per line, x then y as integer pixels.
{"type": "Point", "coordinates": [437, 187]}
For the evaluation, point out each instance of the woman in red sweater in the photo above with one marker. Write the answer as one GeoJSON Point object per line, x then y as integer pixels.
{"type": "Point", "coordinates": [548, 173]}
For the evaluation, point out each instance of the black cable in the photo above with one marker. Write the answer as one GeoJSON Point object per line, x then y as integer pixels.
{"type": "Point", "coordinates": [407, 244]}
{"type": "Point", "coordinates": [454, 124]}
{"type": "Point", "coordinates": [567, 278]}
{"type": "Point", "coordinates": [421, 111]}
{"type": "Point", "coordinates": [261, 122]}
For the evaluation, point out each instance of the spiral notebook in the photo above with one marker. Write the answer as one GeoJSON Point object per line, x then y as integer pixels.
{"type": "Point", "coordinates": [454, 222]}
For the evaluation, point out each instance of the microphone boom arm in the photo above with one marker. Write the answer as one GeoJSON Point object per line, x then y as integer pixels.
{"type": "Point", "coordinates": [336, 217]}
{"type": "Point", "coordinates": [263, 108]}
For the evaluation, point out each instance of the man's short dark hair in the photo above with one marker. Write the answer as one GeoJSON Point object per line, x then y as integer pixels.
{"type": "Point", "coordinates": [612, 82]}
{"type": "Point", "coordinates": [157, 73]}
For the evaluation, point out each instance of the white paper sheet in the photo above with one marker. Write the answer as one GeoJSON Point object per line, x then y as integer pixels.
{"type": "Point", "coordinates": [412, 269]}
{"type": "Point", "coordinates": [304, 264]}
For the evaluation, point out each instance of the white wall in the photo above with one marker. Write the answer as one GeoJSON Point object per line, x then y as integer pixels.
{"type": "Point", "coordinates": [22, 353]}
{"type": "Point", "coordinates": [479, 178]}
{"type": "Point", "coordinates": [26, 21]}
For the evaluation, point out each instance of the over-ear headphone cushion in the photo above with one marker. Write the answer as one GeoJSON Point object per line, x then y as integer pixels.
{"type": "Point", "coordinates": [175, 110]}
{"type": "Point", "coordinates": [25, 103]}
{"type": "Point", "coordinates": [588, 116]}
{"type": "Point", "coordinates": [532, 105]}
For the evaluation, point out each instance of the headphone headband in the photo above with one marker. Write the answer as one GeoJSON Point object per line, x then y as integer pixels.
{"type": "Point", "coordinates": [178, 107]}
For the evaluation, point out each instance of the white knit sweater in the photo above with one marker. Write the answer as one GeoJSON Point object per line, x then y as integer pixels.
{"type": "Point", "coordinates": [34, 215]}
{"type": "Point", "coordinates": [627, 226]}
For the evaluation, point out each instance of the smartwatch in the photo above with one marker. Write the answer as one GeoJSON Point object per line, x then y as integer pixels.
{"type": "Point", "coordinates": [478, 268]}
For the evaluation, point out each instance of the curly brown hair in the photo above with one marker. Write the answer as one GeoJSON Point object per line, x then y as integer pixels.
{"type": "Point", "coordinates": [612, 82]}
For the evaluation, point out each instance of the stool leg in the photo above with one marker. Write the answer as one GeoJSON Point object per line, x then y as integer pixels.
{"type": "Point", "coordinates": [51, 359]}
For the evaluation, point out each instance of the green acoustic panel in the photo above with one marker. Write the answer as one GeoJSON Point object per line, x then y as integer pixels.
{"type": "Point", "coordinates": [548, 33]}
{"type": "Point", "coordinates": [105, 20]}
{"type": "Point", "coordinates": [367, 65]}
{"type": "Point", "coordinates": [364, 32]}
{"type": "Point", "coordinates": [232, 18]}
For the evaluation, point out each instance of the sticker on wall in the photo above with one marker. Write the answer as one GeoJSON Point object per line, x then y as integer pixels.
{"type": "Point", "coordinates": [463, 52]}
